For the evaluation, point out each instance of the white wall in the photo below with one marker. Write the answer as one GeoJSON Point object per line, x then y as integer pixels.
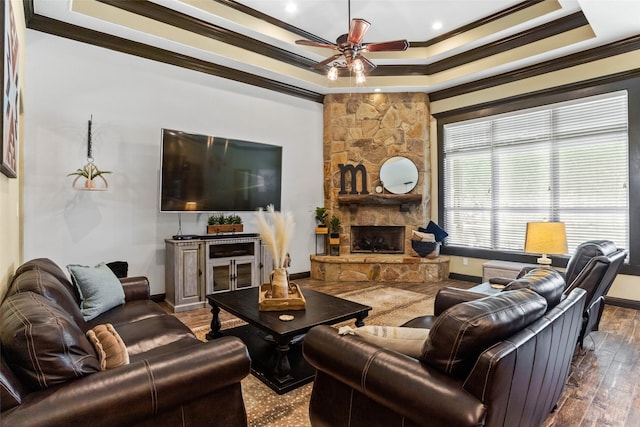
{"type": "Point", "coordinates": [131, 100]}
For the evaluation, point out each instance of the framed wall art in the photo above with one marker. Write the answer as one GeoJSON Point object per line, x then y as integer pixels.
{"type": "Point", "coordinates": [11, 91]}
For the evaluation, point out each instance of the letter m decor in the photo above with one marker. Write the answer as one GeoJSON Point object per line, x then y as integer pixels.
{"type": "Point", "coordinates": [353, 170]}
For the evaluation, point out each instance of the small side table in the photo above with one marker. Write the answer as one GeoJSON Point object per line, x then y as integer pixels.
{"type": "Point", "coordinates": [322, 233]}
{"type": "Point", "coordinates": [334, 246]}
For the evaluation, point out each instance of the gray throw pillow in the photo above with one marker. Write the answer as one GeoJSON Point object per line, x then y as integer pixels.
{"type": "Point", "coordinates": [100, 290]}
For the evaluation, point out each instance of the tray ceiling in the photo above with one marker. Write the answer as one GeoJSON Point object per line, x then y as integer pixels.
{"type": "Point", "coordinates": [253, 41]}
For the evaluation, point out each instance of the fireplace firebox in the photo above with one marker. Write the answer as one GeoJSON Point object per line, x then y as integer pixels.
{"type": "Point", "coordinates": [383, 239]}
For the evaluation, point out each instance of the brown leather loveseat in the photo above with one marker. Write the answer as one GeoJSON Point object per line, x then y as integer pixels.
{"type": "Point", "coordinates": [51, 373]}
{"type": "Point", "coordinates": [500, 360]}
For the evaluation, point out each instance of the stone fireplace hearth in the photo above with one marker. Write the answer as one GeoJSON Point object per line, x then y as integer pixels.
{"type": "Point", "coordinates": [379, 267]}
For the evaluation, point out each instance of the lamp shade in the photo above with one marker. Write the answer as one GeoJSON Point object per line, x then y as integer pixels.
{"type": "Point", "coordinates": [546, 238]}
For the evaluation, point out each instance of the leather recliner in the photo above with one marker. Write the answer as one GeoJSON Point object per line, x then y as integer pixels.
{"type": "Point", "coordinates": [593, 267]}
{"type": "Point", "coordinates": [516, 381]}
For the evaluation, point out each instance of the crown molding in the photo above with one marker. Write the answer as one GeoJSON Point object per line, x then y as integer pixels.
{"type": "Point", "coordinates": [174, 18]}
{"type": "Point", "coordinates": [107, 41]}
{"type": "Point", "coordinates": [180, 20]}
{"type": "Point", "coordinates": [629, 44]}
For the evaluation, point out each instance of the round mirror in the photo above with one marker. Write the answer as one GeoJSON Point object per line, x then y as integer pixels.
{"type": "Point", "coordinates": [399, 175]}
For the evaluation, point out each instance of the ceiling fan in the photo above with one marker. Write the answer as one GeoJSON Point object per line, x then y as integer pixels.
{"type": "Point", "coordinates": [351, 48]}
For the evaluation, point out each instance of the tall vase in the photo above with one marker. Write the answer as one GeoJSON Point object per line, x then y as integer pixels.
{"type": "Point", "coordinates": [279, 283]}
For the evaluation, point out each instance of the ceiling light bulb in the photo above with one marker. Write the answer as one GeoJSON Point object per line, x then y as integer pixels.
{"type": "Point", "coordinates": [333, 73]}
{"type": "Point", "coordinates": [291, 7]}
{"type": "Point", "coordinates": [358, 66]}
{"type": "Point", "coordinates": [360, 78]}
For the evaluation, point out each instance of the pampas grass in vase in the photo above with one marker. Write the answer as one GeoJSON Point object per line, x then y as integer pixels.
{"type": "Point", "coordinates": [276, 235]}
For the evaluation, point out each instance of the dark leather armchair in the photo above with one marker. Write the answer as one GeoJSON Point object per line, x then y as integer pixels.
{"type": "Point", "coordinates": [593, 267]}
{"type": "Point", "coordinates": [545, 282]}
{"type": "Point", "coordinates": [515, 382]}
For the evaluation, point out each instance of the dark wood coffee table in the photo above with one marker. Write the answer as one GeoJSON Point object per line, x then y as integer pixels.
{"type": "Point", "coordinates": [275, 345]}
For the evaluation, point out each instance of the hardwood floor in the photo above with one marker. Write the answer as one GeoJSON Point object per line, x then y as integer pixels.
{"type": "Point", "coordinates": [604, 385]}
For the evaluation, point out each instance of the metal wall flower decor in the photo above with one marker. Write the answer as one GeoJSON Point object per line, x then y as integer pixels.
{"type": "Point", "coordinates": [93, 177]}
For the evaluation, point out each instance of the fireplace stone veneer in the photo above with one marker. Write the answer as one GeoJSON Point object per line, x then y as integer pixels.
{"type": "Point", "coordinates": [367, 129]}
{"type": "Point", "coordinates": [379, 267]}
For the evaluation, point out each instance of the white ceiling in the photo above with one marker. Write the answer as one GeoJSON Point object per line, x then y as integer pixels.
{"type": "Point", "coordinates": [397, 19]}
{"type": "Point", "coordinates": [608, 21]}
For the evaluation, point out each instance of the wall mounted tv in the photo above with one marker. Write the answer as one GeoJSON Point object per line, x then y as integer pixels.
{"type": "Point", "coordinates": [205, 174]}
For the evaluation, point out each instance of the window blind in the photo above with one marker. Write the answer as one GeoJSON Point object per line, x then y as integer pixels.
{"type": "Point", "coordinates": [561, 162]}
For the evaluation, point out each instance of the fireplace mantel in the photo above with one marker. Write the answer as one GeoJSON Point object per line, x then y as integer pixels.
{"type": "Point", "coordinates": [403, 200]}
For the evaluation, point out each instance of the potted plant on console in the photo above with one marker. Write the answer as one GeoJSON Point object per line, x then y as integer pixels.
{"type": "Point", "coordinates": [219, 223]}
{"type": "Point", "coordinates": [321, 218]}
{"type": "Point", "coordinates": [334, 236]}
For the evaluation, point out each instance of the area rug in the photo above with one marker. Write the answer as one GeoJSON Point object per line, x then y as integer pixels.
{"type": "Point", "coordinates": [391, 306]}
{"type": "Point", "coordinates": [265, 408]}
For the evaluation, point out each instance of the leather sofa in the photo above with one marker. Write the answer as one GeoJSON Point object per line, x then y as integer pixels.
{"type": "Point", "coordinates": [512, 371]}
{"type": "Point", "coordinates": [172, 378]}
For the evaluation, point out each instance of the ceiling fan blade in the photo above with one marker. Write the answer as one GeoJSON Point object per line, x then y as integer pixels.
{"type": "Point", "coordinates": [316, 44]}
{"type": "Point", "coordinates": [327, 61]}
{"type": "Point", "coordinates": [368, 65]}
{"type": "Point", "coordinates": [357, 30]}
{"type": "Point", "coordinates": [396, 45]}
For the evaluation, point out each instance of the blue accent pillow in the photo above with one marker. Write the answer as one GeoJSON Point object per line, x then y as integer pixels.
{"type": "Point", "coordinates": [436, 230]}
{"type": "Point", "coordinates": [100, 290]}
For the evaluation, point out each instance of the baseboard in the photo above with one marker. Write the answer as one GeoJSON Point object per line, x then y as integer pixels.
{"type": "Point", "coordinates": [622, 302]}
{"type": "Point", "coordinates": [465, 277]}
{"type": "Point", "coordinates": [297, 276]}
{"type": "Point", "coordinates": [158, 297]}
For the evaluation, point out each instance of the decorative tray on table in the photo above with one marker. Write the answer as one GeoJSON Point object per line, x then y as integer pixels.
{"type": "Point", "coordinates": [295, 301]}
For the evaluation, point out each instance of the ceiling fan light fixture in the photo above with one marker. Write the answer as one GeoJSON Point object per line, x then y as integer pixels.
{"type": "Point", "coordinates": [332, 74]}
{"type": "Point", "coordinates": [351, 48]}
{"type": "Point", "coordinates": [358, 66]}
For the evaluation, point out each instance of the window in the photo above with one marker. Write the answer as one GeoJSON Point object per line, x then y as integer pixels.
{"type": "Point", "coordinates": [567, 161]}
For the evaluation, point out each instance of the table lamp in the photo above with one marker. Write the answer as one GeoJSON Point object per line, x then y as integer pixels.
{"type": "Point", "coordinates": [546, 238]}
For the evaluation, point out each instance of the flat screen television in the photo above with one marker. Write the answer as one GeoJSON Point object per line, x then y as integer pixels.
{"type": "Point", "coordinates": [205, 173]}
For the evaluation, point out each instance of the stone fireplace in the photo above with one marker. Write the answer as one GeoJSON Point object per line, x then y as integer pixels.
{"type": "Point", "coordinates": [362, 131]}
{"type": "Point", "coordinates": [377, 239]}
{"type": "Point", "coordinates": [367, 129]}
